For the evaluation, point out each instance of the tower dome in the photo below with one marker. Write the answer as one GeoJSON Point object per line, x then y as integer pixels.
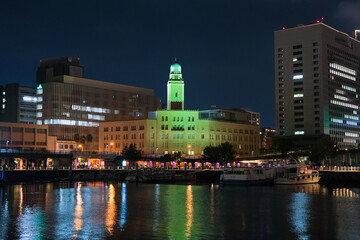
{"type": "Point", "coordinates": [175, 68]}
{"type": "Point", "coordinates": [175, 71]}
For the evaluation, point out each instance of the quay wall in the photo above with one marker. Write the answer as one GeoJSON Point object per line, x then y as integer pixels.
{"type": "Point", "coordinates": [340, 178]}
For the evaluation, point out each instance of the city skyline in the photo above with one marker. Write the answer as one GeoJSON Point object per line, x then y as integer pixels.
{"type": "Point", "coordinates": [134, 42]}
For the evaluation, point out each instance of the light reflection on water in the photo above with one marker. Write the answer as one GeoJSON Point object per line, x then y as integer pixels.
{"type": "Point", "coordinates": [78, 211]}
{"type": "Point", "coordinates": [189, 211]}
{"type": "Point", "coordinates": [300, 214]}
{"type": "Point", "coordinates": [113, 210]}
{"type": "Point", "coordinates": [123, 207]}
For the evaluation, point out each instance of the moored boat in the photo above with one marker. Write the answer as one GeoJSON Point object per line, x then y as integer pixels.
{"type": "Point", "coordinates": [247, 176]}
{"type": "Point", "coordinates": [296, 174]}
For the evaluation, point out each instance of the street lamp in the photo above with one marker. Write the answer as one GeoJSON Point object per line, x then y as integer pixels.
{"type": "Point", "coordinates": [111, 145]}
{"type": "Point", "coordinates": [80, 146]}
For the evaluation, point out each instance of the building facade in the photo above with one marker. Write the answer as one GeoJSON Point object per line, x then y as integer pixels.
{"type": "Point", "coordinates": [266, 135]}
{"type": "Point", "coordinates": [30, 137]}
{"type": "Point", "coordinates": [71, 104]}
{"type": "Point", "coordinates": [18, 104]}
{"type": "Point", "coordinates": [317, 84]}
{"type": "Point", "coordinates": [176, 130]}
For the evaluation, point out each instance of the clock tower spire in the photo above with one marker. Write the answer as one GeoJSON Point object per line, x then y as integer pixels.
{"type": "Point", "coordinates": [175, 88]}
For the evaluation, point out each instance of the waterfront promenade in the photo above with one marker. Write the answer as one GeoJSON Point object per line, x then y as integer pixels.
{"type": "Point", "coordinates": [333, 175]}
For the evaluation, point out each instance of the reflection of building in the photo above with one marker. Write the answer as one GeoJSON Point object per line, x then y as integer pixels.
{"type": "Point", "coordinates": [266, 135]}
{"type": "Point", "coordinates": [71, 104]}
{"type": "Point", "coordinates": [317, 84]}
{"type": "Point", "coordinates": [177, 130]}
{"type": "Point", "coordinates": [18, 104]}
{"type": "Point", "coordinates": [25, 137]}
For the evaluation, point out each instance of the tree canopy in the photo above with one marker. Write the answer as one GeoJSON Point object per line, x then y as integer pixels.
{"type": "Point", "coordinates": [131, 153]}
{"type": "Point", "coordinates": [223, 153]}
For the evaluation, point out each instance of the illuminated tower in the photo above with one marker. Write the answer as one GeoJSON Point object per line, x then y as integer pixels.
{"type": "Point", "coordinates": [175, 88]}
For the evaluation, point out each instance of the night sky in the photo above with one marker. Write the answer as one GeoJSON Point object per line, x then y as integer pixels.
{"type": "Point", "coordinates": [225, 47]}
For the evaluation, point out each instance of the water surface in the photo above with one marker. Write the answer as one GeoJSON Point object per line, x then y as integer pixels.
{"type": "Point", "coordinates": [116, 210]}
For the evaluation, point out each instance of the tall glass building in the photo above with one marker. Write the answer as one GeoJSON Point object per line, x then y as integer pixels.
{"type": "Point", "coordinates": [317, 84]}
{"type": "Point", "coordinates": [71, 104]}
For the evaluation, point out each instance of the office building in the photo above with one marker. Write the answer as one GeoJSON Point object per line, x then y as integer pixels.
{"type": "Point", "coordinates": [30, 137]}
{"type": "Point", "coordinates": [317, 84]}
{"type": "Point", "coordinates": [71, 104]}
{"type": "Point", "coordinates": [177, 130]}
{"type": "Point", "coordinates": [266, 135]}
{"type": "Point", "coordinates": [18, 104]}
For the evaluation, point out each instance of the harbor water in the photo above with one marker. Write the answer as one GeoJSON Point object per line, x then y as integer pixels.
{"type": "Point", "coordinates": [118, 210]}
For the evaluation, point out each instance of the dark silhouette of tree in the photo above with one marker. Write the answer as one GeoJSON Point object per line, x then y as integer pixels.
{"type": "Point", "coordinates": [89, 138]}
{"type": "Point", "coordinates": [83, 139]}
{"type": "Point", "coordinates": [322, 151]}
{"type": "Point", "coordinates": [223, 153]}
{"type": "Point", "coordinates": [166, 158]}
{"type": "Point", "coordinates": [131, 153]}
{"type": "Point", "coordinates": [282, 145]}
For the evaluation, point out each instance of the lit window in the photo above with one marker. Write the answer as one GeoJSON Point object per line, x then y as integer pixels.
{"type": "Point", "coordinates": [39, 114]}
{"type": "Point", "coordinates": [299, 132]}
{"type": "Point", "coordinates": [70, 122]}
{"type": "Point", "coordinates": [335, 120]}
{"type": "Point", "coordinates": [39, 107]}
{"type": "Point", "coordinates": [39, 99]}
{"type": "Point", "coordinates": [298, 95]}
{"type": "Point", "coordinates": [38, 122]}
{"type": "Point", "coordinates": [298, 76]}
{"type": "Point", "coordinates": [295, 59]}
{"type": "Point", "coordinates": [39, 91]}
{"type": "Point", "coordinates": [342, 75]}
{"type": "Point", "coordinates": [96, 117]}
{"type": "Point", "coordinates": [351, 117]}
{"type": "Point", "coordinates": [3, 106]}
{"type": "Point", "coordinates": [4, 100]}
{"type": "Point", "coordinates": [342, 68]}
{"type": "Point", "coordinates": [29, 99]}
{"type": "Point", "coordinates": [341, 97]}
{"type": "Point", "coordinates": [344, 104]}
{"type": "Point", "coordinates": [349, 134]}
{"type": "Point", "coordinates": [4, 93]}
{"type": "Point", "coordinates": [348, 88]}
{"type": "Point", "coordinates": [351, 123]}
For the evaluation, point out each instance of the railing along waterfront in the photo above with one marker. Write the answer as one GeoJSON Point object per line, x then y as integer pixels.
{"type": "Point", "coordinates": [340, 168]}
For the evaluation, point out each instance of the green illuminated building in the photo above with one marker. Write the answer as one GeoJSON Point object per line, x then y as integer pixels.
{"type": "Point", "coordinates": [178, 130]}
{"type": "Point", "coordinates": [175, 88]}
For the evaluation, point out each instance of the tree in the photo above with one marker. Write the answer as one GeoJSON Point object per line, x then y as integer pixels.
{"type": "Point", "coordinates": [89, 138]}
{"type": "Point", "coordinates": [83, 139]}
{"type": "Point", "coordinates": [322, 151]}
{"type": "Point", "coordinates": [176, 157]}
{"type": "Point", "coordinates": [131, 153]}
{"type": "Point", "coordinates": [166, 158]}
{"type": "Point", "coordinates": [282, 145]}
{"type": "Point", "coordinates": [223, 153]}
{"type": "Point", "coordinates": [211, 154]}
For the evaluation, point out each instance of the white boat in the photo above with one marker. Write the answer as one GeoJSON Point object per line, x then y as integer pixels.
{"type": "Point", "coordinates": [296, 174]}
{"type": "Point", "coordinates": [247, 176]}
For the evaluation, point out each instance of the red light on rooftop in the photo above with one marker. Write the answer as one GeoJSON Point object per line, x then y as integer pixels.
{"type": "Point", "coordinates": [322, 18]}
{"type": "Point", "coordinates": [317, 21]}
{"type": "Point", "coordinates": [78, 59]}
{"type": "Point", "coordinates": [283, 28]}
{"type": "Point", "coordinates": [40, 60]}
